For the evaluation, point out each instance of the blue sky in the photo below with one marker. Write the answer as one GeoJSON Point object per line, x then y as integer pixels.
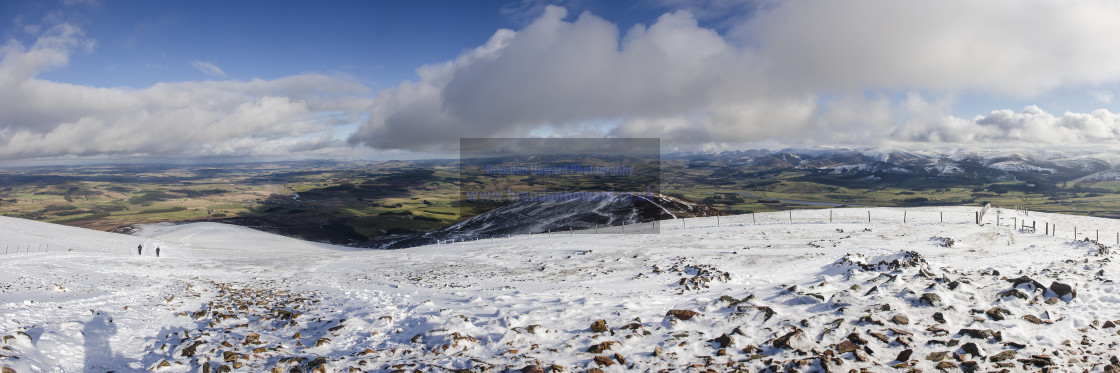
{"type": "Point", "coordinates": [142, 80]}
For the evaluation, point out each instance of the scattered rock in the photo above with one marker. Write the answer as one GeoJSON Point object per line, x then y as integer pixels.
{"type": "Point", "coordinates": [977, 333]}
{"type": "Point", "coordinates": [1062, 290]}
{"type": "Point", "coordinates": [930, 299]}
{"type": "Point", "coordinates": [1108, 324]}
{"type": "Point", "coordinates": [1013, 293]}
{"type": "Point", "coordinates": [599, 348]}
{"type": "Point", "coordinates": [900, 320]}
{"type": "Point", "coordinates": [1033, 319]}
{"type": "Point", "coordinates": [724, 341]}
{"type": "Point", "coordinates": [946, 365]}
{"type": "Point", "coordinates": [846, 346]}
{"type": "Point", "coordinates": [599, 326]}
{"type": "Point", "coordinates": [657, 351]}
{"type": "Point", "coordinates": [603, 360]}
{"type": "Point", "coordinates": [904, 355]}
{"type": "Point", "coordinates": [1027, 283]}
{"type": "Point", "coordinates": [855, 338]}
{"type": "Point", "coordinates": [937, 356]}
{"type": "Point", "coordinates": [682, 314]}
{"type": "Point", "coordinates": [1005, 355]}
{"type": "Point", "coordinates": [939, 317]}
{"type": "Point", "coordinates": [972, 349]}
{"type": "Point", "coordinates": [795, 340]}
{"type": "Point", "coordinates": [997, 314]}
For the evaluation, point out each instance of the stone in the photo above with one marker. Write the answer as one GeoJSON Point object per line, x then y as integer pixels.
{"type": "Point", "coordinates": [724, 341]}
{"type": "Point", "coordinates": [904, 355]}
{"type": "Point", "coordinates": [937, 356]}
{"type": "Point", "coordinates": [603, 360]}
{"type": "Point", "coordinates": [682, 314]}
{"type": "Point", "coordinates": [1004, 355]}
{"type": "Point", "coordinates": [1013, 293]}
{"type": "Point", "coordinates": [657, 351]}
{"type": "Point", "coordinates": [795, 340]}
{"type": "Point", "coordinates": [977, 333]}
{"type": "Point", "coordinates": [1062, 290]}
{"type": "Point", "coordinates": [599, 348]}
{"type": "Point", "coordinates": [846, 346]}
{"type": "Point", "coordinates": [900, 320]}
{"type": "Point", "coordinates": [997, 314]}
{"type": "Point", "coordinates": [857, 339]}
{"type": "Point", "coordinates": [1033, 319]}
{"type": "Point", "coordinates": [1027, 283]}
{"type": "Point", "coordinates": [930, 299]}
{"type": "Point", "coordinates": [972, 349]}
{"type": "Point", "coordinates": [946, 365]}
{"type": "Point", "coordinates": [939, 317]}
{"type": "Point", "coordinates": [599, 326]}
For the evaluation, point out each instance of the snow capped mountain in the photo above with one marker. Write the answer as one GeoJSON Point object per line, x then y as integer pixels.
{"type": "Point", "coordinates": [744, 292]}
{"type": "Point", "coordinates": [526, 217]}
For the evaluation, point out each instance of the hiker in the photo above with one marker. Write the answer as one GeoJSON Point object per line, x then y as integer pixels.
{"type": "Point", "coordinates": [140, 249]}
{"type": "Point", "coordinates": [157, 251]}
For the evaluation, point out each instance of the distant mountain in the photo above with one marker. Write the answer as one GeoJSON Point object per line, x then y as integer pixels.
{"type": "Point", "coordinates": [540, 217]}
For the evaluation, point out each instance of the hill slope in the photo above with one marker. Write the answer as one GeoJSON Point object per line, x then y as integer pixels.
{"type": "Point", "coordinates": [753, 292]}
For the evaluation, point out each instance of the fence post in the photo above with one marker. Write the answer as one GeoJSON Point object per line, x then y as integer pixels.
{"type": "Point", "coordinates": [1075, 233]}
{"type": "Point", "coordinates": [868, 216]}
{"type": "Point", "coordinates": [1098, 235]}
{"type": "Point", "coordinates": [903, 216]}
{"type": "Point", "coordinates": [717, 220]}
{"type": "Point", "coordinates": [942, 216]}
{"type": "Point", "coordinates": [791, 216]}
{"type": "Point", "coordinates": [753, 221]}
{"type": "Point", "coordinates": [978, 218]}
{"type": "Point", "coordinates": [829, 216]}
{"type": "Point", "coordinates": [1047, 229]}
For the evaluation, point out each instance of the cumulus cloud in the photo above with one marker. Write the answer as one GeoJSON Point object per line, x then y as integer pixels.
{"type": "Point", "coordinates": [208, 68]}
{"type": "Point", "coordinates": [793, 70]}
{"type": "Point", "coordinates": [292, 115]}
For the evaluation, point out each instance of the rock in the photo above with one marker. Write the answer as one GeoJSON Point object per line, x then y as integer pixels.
{"type": "Point", "coordinates": [532, 369]}
{"type": "Point", "coordinates": [972, 349]}
{"type": "Point", "coordinates": [1108, 324]}
{"type": "Point", "coordinates": [6, 369]}
{"type": "Point", "coordinates": [1062, 290]}
{"type": "Point", "coordinates": [904, 355]}
{"type": "Point", "coordinates": [1005, 355]}
{"type": "Point", "coordinates": [946, 365]}
{"type": "Point", "coordinates": [846, 346]}
{"type": "Point", "coordinates": [1052, 300]}
{"type": "Point", "coordinates": [939, 317]}
{"type": "Point", "coordinates": [724, 341]}
{"type": "Point", "coordinates": [604, 361]}
{"type": "Point", "coordinates": [795, 340]}
{"type": "Point", "coordinates": [619, 359]}
{"type": "Point", "coordinates": [900, 320]}
{"type": "Point", "coordinates": [937, 356]}
{"type": "Point", "coordinates": [657, 351]}
{"type": "Point", "coordinates": [599, 348]}
{"type": "Point", "coordinates": [880, 337]}
{"type": "Point", "coordinates": [930, 299]}
{"type": "Point", "coordinates": [594, 370]}
{"type": "Point", "coordinates": [682, 314]}
{"type": "Point", "coordinates": [1033, 319]}
{"type": "Point", "coordinates": [996, 313]}
{"type": "Point", "coordinates": [1026, 283]}
{"type": "Point", "coordinates": [1013, 293]}
{"type": "Point", "coordinates": [855, 338]}
{"type": "Point", "coordinates": [977, 333]}
{"type": "Point", "coordinates": [861, 355]}
{"type": "Point", "coordinates": [599, 326]}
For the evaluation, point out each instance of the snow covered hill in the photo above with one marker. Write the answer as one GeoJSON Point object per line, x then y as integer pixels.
{"type": "Point", "coordinates": [773, 290]}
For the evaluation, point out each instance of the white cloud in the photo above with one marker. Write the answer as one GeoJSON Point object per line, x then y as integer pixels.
{"type": "Point", "coordinates": [766, 79]}
{"type": "Point", "coordinates": [293, 116]}
{"type": "Point", "coordinates": [208, 68]}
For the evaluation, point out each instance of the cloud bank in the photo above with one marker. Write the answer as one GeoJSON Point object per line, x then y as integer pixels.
{"type": "Point", "coordinates": [287, 116]}
{"type": "Point", "coordinates": [794, 71]}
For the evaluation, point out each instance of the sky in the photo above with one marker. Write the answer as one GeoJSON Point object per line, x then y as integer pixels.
{"type": "Point", "coordinates": [85, 80]}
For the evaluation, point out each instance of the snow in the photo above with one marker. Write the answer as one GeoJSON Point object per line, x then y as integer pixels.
{"type": "Point", "coordinates": [90, 303]}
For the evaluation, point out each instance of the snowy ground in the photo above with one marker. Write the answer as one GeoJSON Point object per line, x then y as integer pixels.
{"type": "Point", "coordinates": [754, 292]}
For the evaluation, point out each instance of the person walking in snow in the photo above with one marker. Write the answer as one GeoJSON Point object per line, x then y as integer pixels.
{"type": "Point", "coordinates": [140, 249]}
{"type": "Point", "coordinates": [157, 251]}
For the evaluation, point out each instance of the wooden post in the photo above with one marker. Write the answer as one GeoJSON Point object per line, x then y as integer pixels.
{"type": "Point", "coordinates": [830, 216]}
{"type": "Point", "coordinates": [903, 216]}
{"type": "Point", "coordinates": [868, 216]}
{"type": "Point", "coordinates": [791, 216]}
{"type": "Point", "coordinates": [753, 221]}
{"type": "Point", "coordinates": [1075, 233]}
{"type": "Point", "coordinates": [1015, 223]}
{"type": "Point", "coordinates": [978, 218]}
{"type": "Point", "coordinates": [717, 220]}
{"type": "Point", "coordinates": [1047, 228]}
{"type": "Point", "coordinates": [943, 216]}
{"type": "Point", "coordinates": [1098, 235]}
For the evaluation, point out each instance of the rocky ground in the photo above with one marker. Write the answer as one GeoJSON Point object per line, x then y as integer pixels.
{"type": "Point", "coordinates": [741, 296]}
